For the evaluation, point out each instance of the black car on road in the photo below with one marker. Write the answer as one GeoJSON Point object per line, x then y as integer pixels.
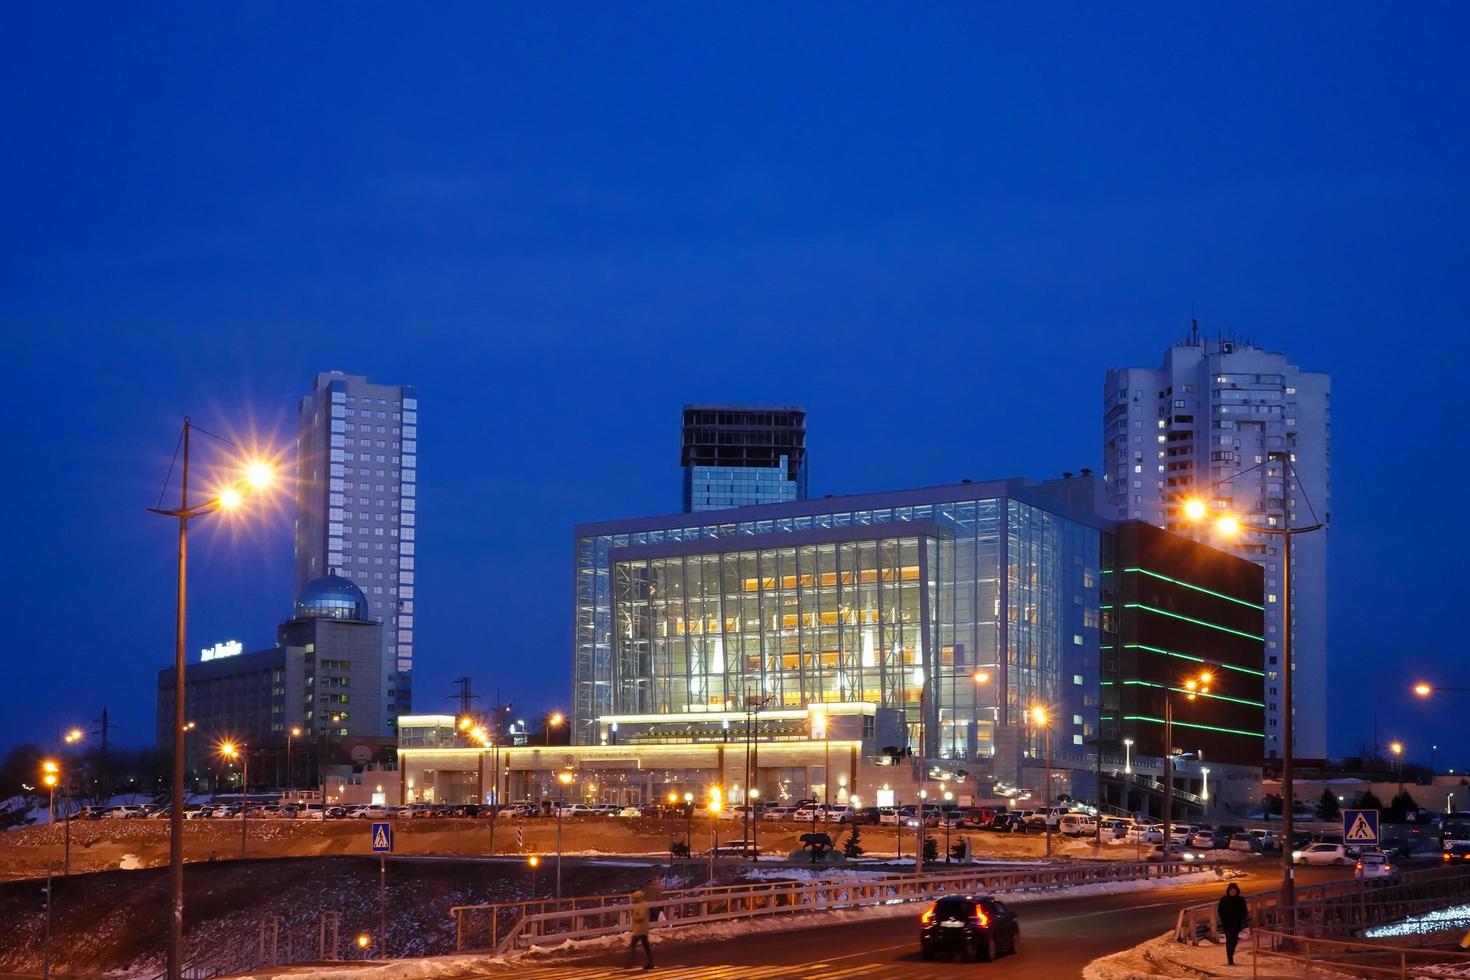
{"type": "Point", "coordinates": [974, 926]}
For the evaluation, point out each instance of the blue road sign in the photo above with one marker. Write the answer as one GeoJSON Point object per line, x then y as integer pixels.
{"type": "Point", "coordinates": [1359, 827]}
{"type": "Point", "coordinates": [382, 838]}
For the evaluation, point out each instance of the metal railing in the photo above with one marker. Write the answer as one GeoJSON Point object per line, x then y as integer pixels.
{"type": "Point", "coordinates": [1336, 955]}
{"type": "Point", "coordinates": [1337, 907]}
{"type": "Point", "coordinates": [503, 927]}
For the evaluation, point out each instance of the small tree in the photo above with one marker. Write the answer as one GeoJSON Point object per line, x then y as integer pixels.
{"type": "Point", "coordinates": [1401, 807]}
{"type": "Point", "coordinates": [1368, 801]}
{"type": "Point", "coordinates": [1327, 806]}
{"type": "Point", "coordinates": [852, 847]}
{"type": "Point", "coordinates": [931, 850]}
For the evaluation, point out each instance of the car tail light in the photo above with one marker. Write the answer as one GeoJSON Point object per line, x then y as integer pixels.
{"type": "Point", "coordinates": [928, 916]}
{"type": "Point", "coordinates": [1446, 855]}
{"type": "Point", "coordinates": [1360, 865]}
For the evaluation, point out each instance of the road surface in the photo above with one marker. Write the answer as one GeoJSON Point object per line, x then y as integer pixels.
{"type": "Point", "coordinates": [1058, 938]}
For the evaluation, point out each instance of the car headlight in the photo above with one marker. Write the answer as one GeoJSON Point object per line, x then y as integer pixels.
{"type": "Point", "coordinates": [1296, 855]}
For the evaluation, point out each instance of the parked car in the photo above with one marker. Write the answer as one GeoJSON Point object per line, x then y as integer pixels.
{"type": "Point", "coordinates": [1114, 828]}
{"type": "Point", "coordinates": [1145, 833]}
{"type": "Point", "coordinates": [1372, 864]}
{"type": "Point", "coordinates": [128, 811]}
{"type": "Point", "coordinates": [778, 813]}
{"type": "Point", "coordinates": [1077, 825]}
{"type": "Point", "coordinates": [973, 926]}
{"type": "Point", "coordinates": [1247, 843]}
{"type": "Point", "coordinates": [1321, 853]}
{"type": "Point", "coordinates": [227, 811]}
{"type": "Point", "coordinates": [888, 816]}
{"type": "Point", "coordinates": [1006, 823]}
{"type": "Point", "coordinates": [88, 813]}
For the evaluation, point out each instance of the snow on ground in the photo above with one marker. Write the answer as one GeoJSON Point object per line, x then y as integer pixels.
{"type": "Point", "coordinates": [1163, 957]}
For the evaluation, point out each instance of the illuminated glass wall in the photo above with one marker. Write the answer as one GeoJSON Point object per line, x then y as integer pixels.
{"type": "Point", "coordinates": [877, 598]}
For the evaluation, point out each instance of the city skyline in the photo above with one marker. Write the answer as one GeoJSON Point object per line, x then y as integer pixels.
{"type": "Point", "coordinates": [936, 250]}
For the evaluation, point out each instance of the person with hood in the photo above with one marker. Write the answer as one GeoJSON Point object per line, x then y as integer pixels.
{"type": "Point", "coordinates": [639, 931]}
{"type": "Point", "coordinates": [653, 892]}
{"type": "Point", "coordinates": [1233, 913]}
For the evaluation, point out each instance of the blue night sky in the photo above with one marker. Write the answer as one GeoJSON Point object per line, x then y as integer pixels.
{"type": "Point", "coordinates": [934, 225]}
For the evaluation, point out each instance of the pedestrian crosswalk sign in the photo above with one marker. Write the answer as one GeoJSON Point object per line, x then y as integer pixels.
{"type": "Point", "coordinates": [382, 838]}
{"type": "Point", "coordinates": [1360, 826]}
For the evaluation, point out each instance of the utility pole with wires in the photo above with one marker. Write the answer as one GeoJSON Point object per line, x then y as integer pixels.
{"type": "Point", "coordinates": [1230, 526]}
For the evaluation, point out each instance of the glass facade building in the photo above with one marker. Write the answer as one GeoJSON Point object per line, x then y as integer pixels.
{"type": "Point", "coordinates": [898, 599]}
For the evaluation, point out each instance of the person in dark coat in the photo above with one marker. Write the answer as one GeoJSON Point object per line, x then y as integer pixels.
{"type": "Point", "coordinates": [1233, 914]}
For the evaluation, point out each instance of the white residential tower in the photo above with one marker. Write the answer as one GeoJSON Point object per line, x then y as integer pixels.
{"type": "Point", "coordinates": [1205, 424]}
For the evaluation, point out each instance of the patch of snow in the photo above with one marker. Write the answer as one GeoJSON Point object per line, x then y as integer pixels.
{"type": "Point", "coordinates": [129, 862]}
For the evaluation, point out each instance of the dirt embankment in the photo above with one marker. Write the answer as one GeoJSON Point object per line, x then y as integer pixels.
{"type": "Point", "coordinates": [118, 920]}
{"type": "Point", "coordinates": [103, 845]}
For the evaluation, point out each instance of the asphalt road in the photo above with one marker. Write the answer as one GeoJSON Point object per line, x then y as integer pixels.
{"type": "Point", "coordinates": [1058, 938]}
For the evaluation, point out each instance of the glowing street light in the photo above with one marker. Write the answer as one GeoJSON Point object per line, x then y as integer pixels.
{"type": "Point", "coordinates": [554, 720]}
{"type": "Point", "coordinates": [232, 751]}
{"type": "Point", "coordinates": [1230, 526]}
{"type": "Point", "coordinates": [1128, 756]}
{"type": "Point", "coordinates": [565, 778]}
{"type": "Point", "coordinates": [980, 677]}
{"type": "Point", "coordinates": [1041, 719]}
{"type": "Point", "coordinates": [257, 475]}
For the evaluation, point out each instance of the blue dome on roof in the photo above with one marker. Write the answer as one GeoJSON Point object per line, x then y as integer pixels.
{"type": "Point", "coordinates": [331, 597]}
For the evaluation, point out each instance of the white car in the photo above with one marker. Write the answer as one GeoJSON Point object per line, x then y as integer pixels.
{"type": "Point", "coordinates": [128, 811]}
{"type": "Point", "coordinates": [1077, 825]}
{"type": "Point", "coordinates": [1145, 833]}
{"type": "Point", "coordinates": [1373, 864]}
{"type": "Point", "coordinates": [1322, 854]}
{"type": "Point", "coordinates": [630, 811]}
{"type": "Point", "coordinates": [807, 814]}
{"type": "Point", "coordinates": [778, 813]}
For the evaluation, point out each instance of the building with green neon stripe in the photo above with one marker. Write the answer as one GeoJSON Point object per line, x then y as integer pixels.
{"type": "Point", "coordinates": [1173, 608]}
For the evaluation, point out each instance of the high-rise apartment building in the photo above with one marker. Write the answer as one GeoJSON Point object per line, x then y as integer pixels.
{"type": "Point", "coordinates": [356, 509]}
{"type": "Point", "coordinates": [1220, 420]}
{"type": "Point", "coordinates": [738, 455]}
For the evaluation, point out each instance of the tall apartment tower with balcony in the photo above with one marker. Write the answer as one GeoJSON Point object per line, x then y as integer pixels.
{"type": "Point", "coordinates": [356, 510]}
{"type": "Point", "coordinates": [1206, 424]}
{"type": "Point", "coordinates": [739, 455]}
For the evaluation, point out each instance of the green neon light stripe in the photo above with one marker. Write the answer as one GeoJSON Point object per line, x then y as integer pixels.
{"type": "Point", "coordinates": [1181, 690]}
{"type": "Point", "coordinates": [1197, 588]}
{"type": "Point", "coordinates": [1197, 622]}
{"type": "Point", "coordinates": [1186, 724]}
{"type": "Point", "coordinates": [1185, 656]}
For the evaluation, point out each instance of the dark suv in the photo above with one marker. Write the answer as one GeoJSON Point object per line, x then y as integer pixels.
{"type": "Point", "coordinates": [973, 926]}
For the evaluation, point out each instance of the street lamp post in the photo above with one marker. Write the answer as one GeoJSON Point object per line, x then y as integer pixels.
{"type": "Point", "coordinates": [948, 796]}
{"type": "Point", "coordinates": [257, 476]}
{"type": "Point", "coordinates": [1193, 687]}
{"type": "Point", "coordinates": [565, 778]}
{"type": "Point", "coordinates": [919, 839]}
{"type": "Point", "coordinates": [553, 720]}
{"type": "Point", "coordinates": [1229, 527]}
{"type": "Point", "coordinates": [232, 751]}
{"type": "Point", "coordinates": [1397, 748]}
{"type": "Point", "coordinates": [1040, 719]}
{"type": "Point", "coordinates": [714, 829]}
{"type": "Point", "coordinates": [50, 776]}
{"type": "Point", "coordinates": [290, 734]}
{"type": "Point", "coordinates": [1128, 756]}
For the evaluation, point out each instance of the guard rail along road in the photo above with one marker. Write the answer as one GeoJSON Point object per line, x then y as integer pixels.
{"type": "Point", "coordinates": [509, 926]}
{"type": "Point", "coordinates": [1337, 908]}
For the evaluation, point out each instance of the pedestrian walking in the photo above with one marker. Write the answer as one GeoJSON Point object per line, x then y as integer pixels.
{"type": "Point", "coordinates": [654, 893]}
{"type": "Point", "coordinates": [1233, 913]}
{"type": "Point", "coordinates": [639, 920]}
